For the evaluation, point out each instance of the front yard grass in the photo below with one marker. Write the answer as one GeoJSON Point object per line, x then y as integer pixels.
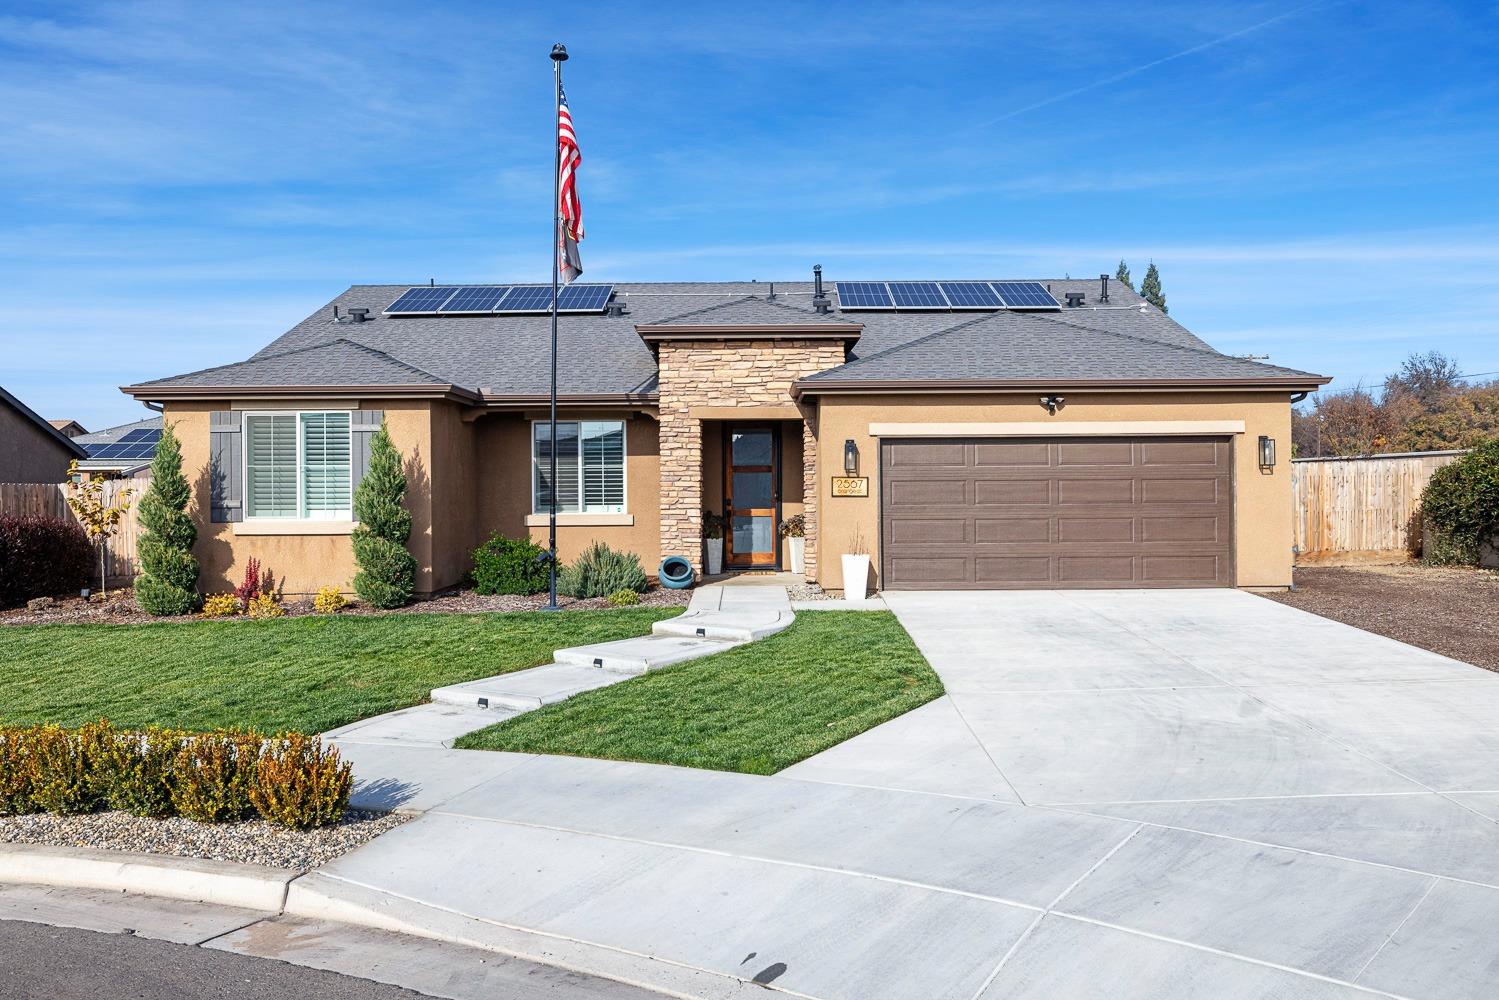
{"type": "Point", "coordinates": [310, 674]}
{"type": "Point", "coordinates": [755, 709]}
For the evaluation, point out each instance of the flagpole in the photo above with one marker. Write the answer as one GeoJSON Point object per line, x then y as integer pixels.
{"type": "Point", "coordinates": [559, 56]}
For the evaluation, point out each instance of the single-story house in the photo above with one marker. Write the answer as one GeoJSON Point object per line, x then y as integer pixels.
{"type": "Point", "coordinates": [121, 452]}
{"type": "Point", "coordinates": [69, 428]}
{"type": "Point", "coordinates": [31, 449]}
{"type": "Point", "coordinates": [965, 434]}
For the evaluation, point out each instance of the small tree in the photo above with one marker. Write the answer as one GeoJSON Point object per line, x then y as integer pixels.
{"type": "Point", "coordinates": [100, 520]}
{"type": "Point", "coordinates": [1123, 276]}
{"type": "Point", "coordinates": [387, 572]}
{"type": "Point", "coordinates": [1150, 288]}
{"type": "Point", "coordinates": [168, 581]}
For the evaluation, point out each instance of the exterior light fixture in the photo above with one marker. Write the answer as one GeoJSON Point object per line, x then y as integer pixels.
{"type": "Point", "coordinates": [1053, 403]}
{"type": "Point", "coordinates": [1267, 452]}
{"type": "Point", "coordinates": [850, 458]}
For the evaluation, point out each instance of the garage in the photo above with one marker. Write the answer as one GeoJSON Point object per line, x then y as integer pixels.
{"type": "Point", "coordinates": [1067, 512]}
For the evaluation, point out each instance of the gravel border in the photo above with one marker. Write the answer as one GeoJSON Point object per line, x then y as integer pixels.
{"type": "Point", "coordinates": [255, 842]}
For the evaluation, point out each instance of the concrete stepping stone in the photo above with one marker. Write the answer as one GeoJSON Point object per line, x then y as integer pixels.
{"type": "Point", "coordinates": [636, 656]}
{"type": "Point", "coordinates": [524, 690]}
{"type": "Point", "coordinates": [734, 626]}
{"type": "Point", "coordinates": [421, 725]}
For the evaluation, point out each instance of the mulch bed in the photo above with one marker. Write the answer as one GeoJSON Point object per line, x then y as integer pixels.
{"type": "Point", "coordinates": [1449, 610]}
{"type": "Point", "coordinates": [255, 842]}
{"type": "Point", "coordinates": [120, 608]}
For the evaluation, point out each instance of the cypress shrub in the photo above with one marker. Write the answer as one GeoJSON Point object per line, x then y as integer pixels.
{"type": "Point", "coordinates": [387, 572]}
{"type": "Point", "coordinates": [169, 573]}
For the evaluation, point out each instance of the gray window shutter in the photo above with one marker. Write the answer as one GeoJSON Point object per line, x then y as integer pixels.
{"type": "Point", "coordinates": [227, 475]}
{"type": "Point", "coordinates": [364, 427]}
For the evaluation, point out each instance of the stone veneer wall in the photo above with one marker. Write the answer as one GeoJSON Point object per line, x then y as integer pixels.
{"type": "Point", "coordinates": [746, 373]}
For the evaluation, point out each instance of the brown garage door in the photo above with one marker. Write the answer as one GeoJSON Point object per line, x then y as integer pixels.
{"type": "Point", "coordinates": [1057, 512]}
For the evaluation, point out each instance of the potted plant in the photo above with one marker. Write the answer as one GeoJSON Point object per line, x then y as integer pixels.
{"type": "Point", "coordinates": [856, 569]}
{"type": "Point", "coordinates": [713, 525]}
{"type": "Point", "coordinates": [794, 530]}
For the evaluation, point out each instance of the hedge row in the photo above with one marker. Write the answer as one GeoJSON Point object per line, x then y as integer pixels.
{"type": "Point", "coordinates": [221, 777]}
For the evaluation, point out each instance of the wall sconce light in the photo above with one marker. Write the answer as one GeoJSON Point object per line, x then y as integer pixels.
{"type": "Point", "coordinates": [1267, 452]}
{"type": "Point", "coordinates": [850, 458]}
{"type": "Point", "coordinates": [1053, 403]}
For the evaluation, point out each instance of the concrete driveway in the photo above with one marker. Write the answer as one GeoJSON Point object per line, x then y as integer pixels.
{"type": "Point", "coordinates": [1123, 795]}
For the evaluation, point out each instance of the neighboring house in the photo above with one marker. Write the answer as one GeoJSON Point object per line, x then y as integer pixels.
{"type": "Point", "coordinates": [1003, 440]}
{"type": "Point", "coordinates": [123, 451]}
{"type": "Point", "coordinates": [69, 428]}
{"type": "Point", "coordinates": [31, 449]}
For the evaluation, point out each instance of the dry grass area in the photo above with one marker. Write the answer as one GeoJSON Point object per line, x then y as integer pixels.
{"type": "Point", "coordinates": [1449, 610]}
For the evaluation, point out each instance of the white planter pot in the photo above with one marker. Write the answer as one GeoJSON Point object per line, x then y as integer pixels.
{"type": "Point", "coordinates": [715, 555]}
{"type": "Point", "coordinates": [856, 578]}
{"type": "Point", "coordinates": [798, 554]}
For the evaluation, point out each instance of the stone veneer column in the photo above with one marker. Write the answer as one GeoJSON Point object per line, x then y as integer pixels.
{"type": "Point", "coordinates": [719, 373]}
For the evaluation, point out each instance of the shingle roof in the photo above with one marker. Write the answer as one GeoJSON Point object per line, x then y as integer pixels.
{"type": "Point", "coordinates": [110, 435]}
{"type": "Point", "coordinates": [605, 355]}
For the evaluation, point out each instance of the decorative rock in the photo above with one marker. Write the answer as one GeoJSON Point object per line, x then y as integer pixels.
{"type": "Point", "coordinates": [39, 603]}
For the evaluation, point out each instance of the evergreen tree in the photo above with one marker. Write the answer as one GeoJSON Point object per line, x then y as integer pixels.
{"type": "Point", "coordinates": [169, 573]}
{"type": "Point", "coordinates": [1150, 288]}
{"type": "Point", "coordinates": [1123, 276]}
{"type": "Point", "coordinates": [387, 572]}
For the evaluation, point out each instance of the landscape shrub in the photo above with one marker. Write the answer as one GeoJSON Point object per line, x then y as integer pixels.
{"type": "Point", "coordinates": [301, 783]}
{"type": "Point", "coordinates": [623, 598]}
{"type": "Point", "coordinates": [264, 605]}
{"type": "Point", "coordinates": [329, 600]}
{"type": "Point", "coordinates": [168, 581]}
{"type": "Point", "coordinates": [1461, 504]}
{"type": "Point", "coordinates": [387, 572]}
{"type": "Point", "coordinates": [600, 571]}
{"type": "Point", "coordinates": [220, 606]}
{"type": "Point", "coordinates": [42, 557]}
{"type": "Point", "coordinates": [224, 776]}
{"type": "Point", "coordinates": [249, 587]}
{"type": "Point", "coordinates": [509, 566]}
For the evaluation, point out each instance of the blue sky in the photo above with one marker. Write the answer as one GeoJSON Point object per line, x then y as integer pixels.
{"type": "Point", "coordinates": [181, 182]}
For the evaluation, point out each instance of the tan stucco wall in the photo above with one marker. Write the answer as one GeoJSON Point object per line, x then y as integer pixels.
{"type": "Point", "coordinates": [29, 454]}
{"type": "Point", "coordinates": [1262, 505]}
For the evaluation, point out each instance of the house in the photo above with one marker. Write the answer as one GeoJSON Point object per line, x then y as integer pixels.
{"type": "Point", "coordinates": [965, 434]}
{"type": "Point", "coordinates": [31, 449]}
{"type": "Point", "coordinates": [121, 452]}
{"type": "Point", "coordinates": [69, 428]}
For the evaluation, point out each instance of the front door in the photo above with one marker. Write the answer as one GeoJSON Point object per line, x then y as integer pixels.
{"type": "Point", "coordinates": [752, 495]}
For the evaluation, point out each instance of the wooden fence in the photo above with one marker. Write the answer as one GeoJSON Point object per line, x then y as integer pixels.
{"type": "Point", "coordinates": [1352, 510]}
{"type": "Point", "coordinates": [51, 500]}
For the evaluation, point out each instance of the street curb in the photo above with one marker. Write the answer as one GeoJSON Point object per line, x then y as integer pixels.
{"type": "Point", "coordinates": [225, 883]}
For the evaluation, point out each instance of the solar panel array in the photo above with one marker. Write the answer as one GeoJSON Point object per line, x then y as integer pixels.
{"type": "Point", "coordinates": [945, 295]}
{"type": "Point", "coordinates": [490, 300]}
{"type": "Point", "coordinates": [139, 443]}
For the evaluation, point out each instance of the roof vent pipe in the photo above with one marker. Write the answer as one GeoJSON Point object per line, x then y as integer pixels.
{"type": "Point", "coordinates": [358, 315]}
{"type": "Point", "coordinates": [1103, 293]}
{"type": "Point", "coordinates": [614, 307]}
{"type": "Point", "coordinates": [1074, 299]}
{"type": "Point", "coordinates": [820, 301]}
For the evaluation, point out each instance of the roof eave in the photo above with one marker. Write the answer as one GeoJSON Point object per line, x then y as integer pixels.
{"type": "Point", "coordinates": [77, 450]}
{"type": "Point", "coordinates": [185, 393]}
{"type": "Point", "coordinates": [847, 332]}
{"type": "Point", "coordinates": [818, 387]}
{"type": "Point", "coordinates": [600, 400]}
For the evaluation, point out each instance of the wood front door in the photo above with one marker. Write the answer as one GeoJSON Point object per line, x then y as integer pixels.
{"type": "Point", "coordinates": [752, 495]}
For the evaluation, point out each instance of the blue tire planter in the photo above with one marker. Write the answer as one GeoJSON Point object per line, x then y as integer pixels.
{"type": "Point", "coordinates": [675, 572]}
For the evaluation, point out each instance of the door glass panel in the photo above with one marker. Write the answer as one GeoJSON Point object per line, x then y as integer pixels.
{"type": "Point", "coordinates": [752, 533]}
{"type": "Point", "coordinates": [752, 490]}
{"type": "Point", "coordinates": [751, 448]}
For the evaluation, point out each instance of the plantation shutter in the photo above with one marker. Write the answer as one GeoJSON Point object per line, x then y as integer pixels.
{"type": "Point", "coordinates": [226, 485]}
{"type": "Point", "coordinates": [567, 466]}
{"type": "Point", "coordinates": [603, 466]}
{"type": "Point", "coordinates": [271, 465]}
{"type": "Point", "coordinates": [362, 430]}
{"type": "Point", "coordinates": [326, 466]}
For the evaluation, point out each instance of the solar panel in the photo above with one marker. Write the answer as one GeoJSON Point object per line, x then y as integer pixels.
{"type": "Point", "coordinates": [1025, 295]}
{"type": "Point", "coordinates": [141, 434]}
{"type": "Point", "coordinates": [583, 298]}
{"type": "Point", "coordinates": [421, 300]}
{"type": "Point", "coordinates": [863, 295]}
{"type": "Point", "coordinates": [971, 295]}
{"type": "Point", "coordinates": [475, 299]}
{"type": "Point", "coordinates": [528, 298]}
{"type": "Point", "coordinates": [917, 295]}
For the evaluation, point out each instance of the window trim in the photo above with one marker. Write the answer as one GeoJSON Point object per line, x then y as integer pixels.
{"type": "Point", "coordinates": [624, 470]}
{"type": "Point", "coordinates": [301, 515]}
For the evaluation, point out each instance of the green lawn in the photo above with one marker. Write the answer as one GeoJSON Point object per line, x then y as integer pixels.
{"type": "Point", "coordinates": [310, 673]}
{"type": "Point", "coordinates": [756, 709]}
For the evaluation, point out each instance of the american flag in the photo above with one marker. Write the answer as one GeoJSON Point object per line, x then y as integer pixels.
{"type": "Point", "coordinates": [570, 264]}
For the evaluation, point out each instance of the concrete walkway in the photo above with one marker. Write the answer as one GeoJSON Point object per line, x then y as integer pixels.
{"type": "Point", "coordinates": [1123, 795]}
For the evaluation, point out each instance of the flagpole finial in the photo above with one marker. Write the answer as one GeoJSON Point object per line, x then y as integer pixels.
{"type": "Point", "coordinates": [559, 52]}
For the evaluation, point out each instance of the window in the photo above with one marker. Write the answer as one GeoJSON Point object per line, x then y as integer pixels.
{"type": "Point", "coordinates": [299, 465]}
{"type": "Point", "coordinates": [590, 466]}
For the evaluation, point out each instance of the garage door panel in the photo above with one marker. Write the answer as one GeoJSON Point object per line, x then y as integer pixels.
{"type": "Point", "coordinates": [1036, 513]}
